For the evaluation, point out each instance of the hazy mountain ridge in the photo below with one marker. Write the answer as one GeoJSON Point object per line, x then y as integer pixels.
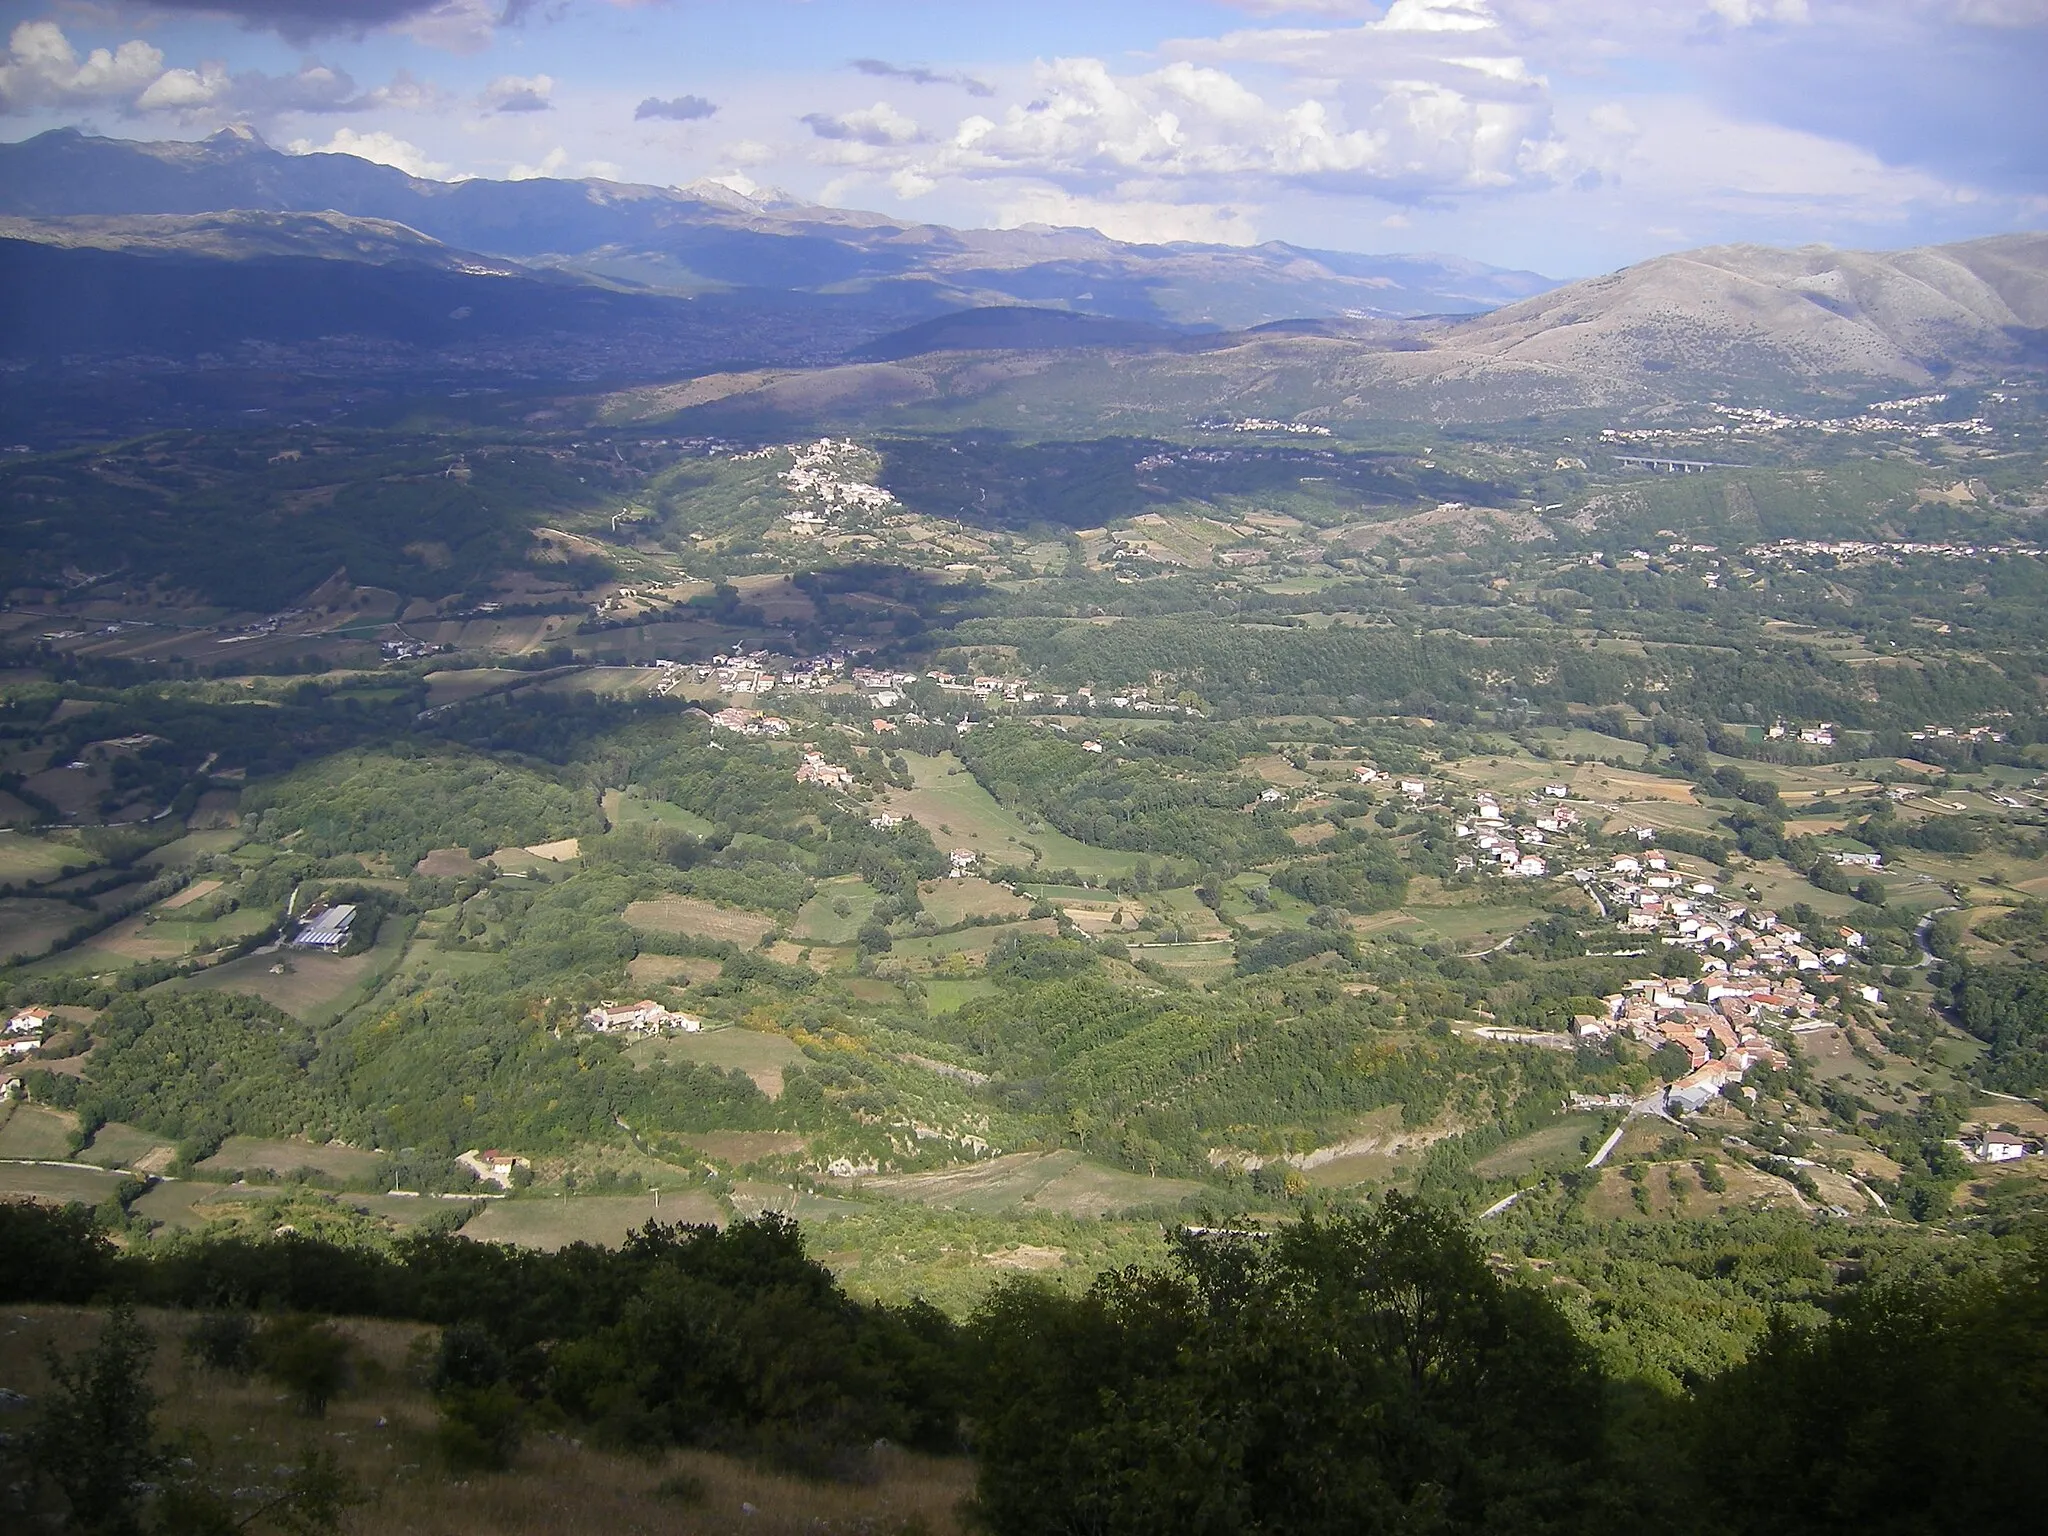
{"type": "Point", "coordinates": [694, 239]}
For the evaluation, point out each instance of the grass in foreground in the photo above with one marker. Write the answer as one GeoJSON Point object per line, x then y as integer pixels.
{"type": "Point", "coordinates": [381, 1430]}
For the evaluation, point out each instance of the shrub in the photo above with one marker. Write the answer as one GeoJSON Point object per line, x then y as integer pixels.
{"type": "Point", "coordinates": [307, 1357]}
{"type": "Point", "coordinates": [480, 1428]}
{"type": "Point", "coordinates": [223, 1341]}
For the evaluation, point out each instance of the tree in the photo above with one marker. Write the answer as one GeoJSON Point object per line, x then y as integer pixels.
{"type": "Point", "coordinates": [1348, 1374]}
{"type": "Point", "coordinates": [94, 1440]}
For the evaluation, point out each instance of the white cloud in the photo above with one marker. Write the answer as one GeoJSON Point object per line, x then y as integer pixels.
{"type": "Point", "coordinates": [880, 126]}
{"type": "Point", "coordinates": [1123, 218]}
{"type": "Point", "coordinates": [384, 148]}
{"type": "Point", "coordinates": [1437, 16]}
{"type": "Point", "coordinates": [1749, 13]}
{"type": "Point", "coordinates": [42, 69]}
{"type": "Point", "coordinates": [1201, 126]}
{"type": "Point", "coordinates": [519, 93]}
{"type": "Point", "coordinates": [559, 162]}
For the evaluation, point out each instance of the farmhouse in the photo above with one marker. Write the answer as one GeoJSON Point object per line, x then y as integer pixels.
{"type": "Point", "coordinates": [1998, 1147]}
{"type": "Point", "coordinates": [643, 1017]}
{"type": "Point", "coordinates": [815, 770]}
{"type": "Point", "coordinates": [492, 1167]}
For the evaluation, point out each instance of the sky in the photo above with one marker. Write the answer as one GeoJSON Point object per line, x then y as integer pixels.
{"type": "Point", "coordinates": [1565, 136]}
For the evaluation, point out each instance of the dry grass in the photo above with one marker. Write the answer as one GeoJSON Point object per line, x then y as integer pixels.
{"type": "Point", "coordinates": [312, 984]}
{"type": "Point", "coordinates": [741, 1147]}
{"type": "Point", "coordinates": [28, 927]}
{"type": "Point", "coordinates": [1062, 1183]}
{"type": "Point", "coordinates": [381, 1431]}
{"type": "Point", "coordinates": [699, 919]}
{"type": "Point", "coordinates": [955, 901]}
{"type": "Point", "coordinates": [763, 1057]}
{"type": "Point", "coordinates": [198, 890]}
{"type": "Point", "coordinates": [679, 970]}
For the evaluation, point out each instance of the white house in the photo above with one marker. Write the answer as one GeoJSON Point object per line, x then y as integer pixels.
{"type": "Point", "coordinates": [30, 1021]}
{"type": "Point", "coordinates": [1999, 1147]}
{"type": "Point", "coordinates": [492, 1167]}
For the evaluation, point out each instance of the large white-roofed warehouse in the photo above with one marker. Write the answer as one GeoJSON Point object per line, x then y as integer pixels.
{"type": "Point", "coordinates": [326, 930]}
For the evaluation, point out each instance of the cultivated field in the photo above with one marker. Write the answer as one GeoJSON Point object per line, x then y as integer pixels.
{"type": "Point", "coordinates": [1061, 1183]}
{"type": "Point", "coordinates": [115, 1145]}
{"type": "Point", "coordinates": [283, 1157]}
{"type": "Point", "coordinates": [30, 1130]}
{"type": "Point", "coordinates": [677, 970]}
{"type": "Point", "coordinates": [688, 916]}
{"type": "Point", "coordinates": [28, 927]}
{"type": "Point", "coordinates": [555, 1222]}
{"type": "Point", "coordinates": [742, 1147]}
{"type": "Point", "coordinates": [47, 1184]}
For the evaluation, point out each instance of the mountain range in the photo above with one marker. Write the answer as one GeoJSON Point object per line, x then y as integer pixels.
{"type": "Point", "coordinates": [328, 266]}
{"type": "Point", "coordinates": [707, 238]}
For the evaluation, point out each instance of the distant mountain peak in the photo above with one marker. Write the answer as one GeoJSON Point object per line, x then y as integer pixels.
{"type": "Point", "coordinates": [740, 193]}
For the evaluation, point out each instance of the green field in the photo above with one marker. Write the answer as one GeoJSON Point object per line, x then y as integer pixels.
{"type": "Point", "coordinates": [951, 804]}
{"type": "Point", "coordinates": [29, 1130]}
{"type": "Point", "coordinates": [257, 1154]}
{"type": "Point", "coordinates": [972, 943]}
{"type": "Point", "coordinates": [193, 846]}
{"type": "Point", "coordinates": [554, 1222]}
{"type": "Point", "coordinates": [947, 994]}
{"type": "Point", "coordinates": [56, 1186]}
{"type": "Point", "coordinates": [1553, 1147]}
{"type": "Point", "coordinates": [26, 860]}
{"type": "Point", "coordinates": [115, 1145]}
{"type": "Point", "coordinates": [762, 1057]}
{"type": "Point", "coordinates": [631, 807]}
{"type": "Point", "coordinates": [819, 921]}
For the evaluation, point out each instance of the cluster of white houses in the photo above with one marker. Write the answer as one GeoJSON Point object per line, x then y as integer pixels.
{"type": "Point", "coordinates": [26, 1031]}
{"type": "Point", "coordinates": [1717, 1023]}
{"type": "Point", "coordinates": [1507, 838]}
